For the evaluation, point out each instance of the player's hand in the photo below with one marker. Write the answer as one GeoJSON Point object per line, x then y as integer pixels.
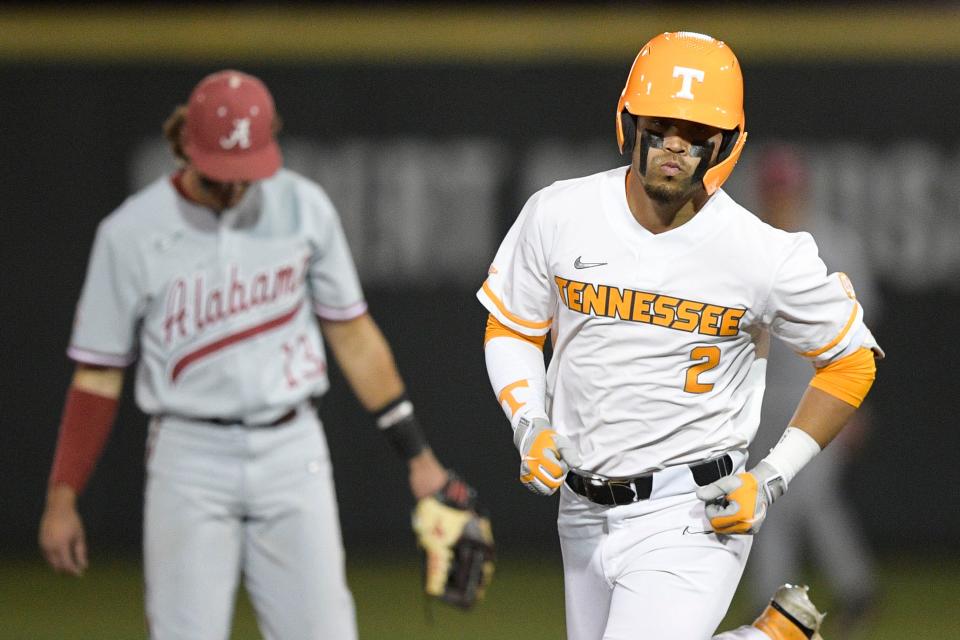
{"type": "Point", "coordinates": [61, 537]}
{"type": "Point", "coordinates": [545, 456]}
{"type": "Point", "coordinates": [427, 475]}
{"type": "Point", "coordinates": [738, 504]}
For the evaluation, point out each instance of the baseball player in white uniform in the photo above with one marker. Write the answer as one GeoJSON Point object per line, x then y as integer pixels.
{"type": "Point", "coordinates": [659, 294]}
{"type": "Point", "coordinates": [217, 282]}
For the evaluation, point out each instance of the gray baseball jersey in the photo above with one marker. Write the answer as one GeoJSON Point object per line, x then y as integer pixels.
{"type": "Point", "coordinates": [221, 308]}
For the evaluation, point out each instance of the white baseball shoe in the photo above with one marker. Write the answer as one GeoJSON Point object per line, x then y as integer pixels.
{"type": "Point", "coordinates": [791, 615]}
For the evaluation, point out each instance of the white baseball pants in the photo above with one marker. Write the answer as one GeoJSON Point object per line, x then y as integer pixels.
{"type": "Point", "coordinates": [226, 501]}
{"type": "Point", "coordinates": [650, 569]}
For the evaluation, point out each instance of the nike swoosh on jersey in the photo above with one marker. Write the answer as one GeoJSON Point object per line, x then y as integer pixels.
{"type": "Point", "coordinates": [577, 264]}
{"type": "Point", "coordinates": [688, 531]}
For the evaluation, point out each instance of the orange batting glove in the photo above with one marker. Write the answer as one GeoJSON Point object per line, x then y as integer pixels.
{"type": "Point", "coordinates": [738, 504]}
{"type": "Point", "coordinates": [545, 456]}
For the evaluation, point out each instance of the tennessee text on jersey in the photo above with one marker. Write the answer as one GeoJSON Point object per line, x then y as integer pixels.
{"type": "Point", "coordinates": [649, 308]}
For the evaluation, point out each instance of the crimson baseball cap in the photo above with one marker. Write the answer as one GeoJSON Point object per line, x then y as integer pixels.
{"type": "Point", "coordinates": [229, 129]}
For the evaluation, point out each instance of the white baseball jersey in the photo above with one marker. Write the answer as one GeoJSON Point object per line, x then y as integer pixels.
{"type": "Point", "coordinates": [221, 308]}
{"type": "Point", "coordinates": [659, 339]}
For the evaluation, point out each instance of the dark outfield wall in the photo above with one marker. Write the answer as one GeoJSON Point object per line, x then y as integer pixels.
{"type": "Point", "coordinates": [70, 135]}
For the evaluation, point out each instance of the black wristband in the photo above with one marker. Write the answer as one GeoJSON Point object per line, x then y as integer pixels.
{"type": "Point", "coordinates": [400, 426]}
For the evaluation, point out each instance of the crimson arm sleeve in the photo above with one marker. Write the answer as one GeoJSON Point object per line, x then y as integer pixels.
{"type": "Point", "coordinates": [84, 428]}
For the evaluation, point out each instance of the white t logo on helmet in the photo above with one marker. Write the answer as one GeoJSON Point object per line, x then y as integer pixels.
{"type": "Point", "coordinates": [240, 136]}
{"type": "Point", "coordinates": [688, 75]}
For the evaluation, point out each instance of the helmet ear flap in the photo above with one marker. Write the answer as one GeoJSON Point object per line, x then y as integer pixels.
{"type": "Point", "coordinates": [727, 144]}
{"type": "Point", "coordinates": [628, 123]}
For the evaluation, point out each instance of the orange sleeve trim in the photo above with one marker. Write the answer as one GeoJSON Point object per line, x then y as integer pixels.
{"type": "Point", "coordinates": [520, 321]}
{"type": "Point", "coordinates": [835, 341]}
{"type": "Point", "coordinates": [849, 378]}
{"type": "Point", "coordinates": [496, 329]}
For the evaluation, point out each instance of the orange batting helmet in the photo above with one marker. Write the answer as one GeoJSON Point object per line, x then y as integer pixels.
{"type": "Point", "coordinates": [687, 76]}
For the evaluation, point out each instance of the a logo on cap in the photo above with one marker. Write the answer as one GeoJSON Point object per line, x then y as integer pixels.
{"type": "Point", "coordinates": [240, 136]}
{"type": "Point", "coordinates": [688, 75]}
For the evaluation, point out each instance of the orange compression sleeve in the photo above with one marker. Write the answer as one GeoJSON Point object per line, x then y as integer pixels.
{"type": "Point", "coordinates": [849, 378]}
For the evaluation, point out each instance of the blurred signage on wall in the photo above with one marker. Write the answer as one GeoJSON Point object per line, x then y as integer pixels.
{"type": "Point", "coordinates": [422, 211]}
{"type": "Point", "coordinates": [415, 211]}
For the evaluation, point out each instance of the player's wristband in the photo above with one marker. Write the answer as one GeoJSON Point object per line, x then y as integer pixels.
{"type": "Point", "coordinates": [795, 449]}
{"type": "Point", "coordinates": [399, 425]}
{"type": "Point", "coordinates": [84, 428]}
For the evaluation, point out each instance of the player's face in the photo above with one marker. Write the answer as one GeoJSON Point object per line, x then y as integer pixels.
{"type": "Point", "coordinates": [674, 150]}
{"type": "Point", "coordinates": [225, 194]}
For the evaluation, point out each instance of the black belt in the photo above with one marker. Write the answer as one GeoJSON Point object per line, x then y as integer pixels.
{"type": "Point", "coordinates": [618, 491]}
{"type": "Point", "coordinates": [230, 422]}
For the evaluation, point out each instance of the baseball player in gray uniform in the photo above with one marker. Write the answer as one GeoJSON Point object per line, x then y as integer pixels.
{"type": "Point", "coordinates": [222, 282]}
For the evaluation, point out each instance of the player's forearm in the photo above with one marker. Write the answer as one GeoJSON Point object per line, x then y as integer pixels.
{"type": "Point", "coordinates": [88, 415]}
{"type": "Point", "coordinates": [834, 394]}
{"type": "Point", "coordinates": [366, 360]}
{"type": "Point", "coordinates": [517, 374]}
{"type": "Point", "coordinates": [821, 415]}
{"type": "Point", "coordinates": [818, 419]}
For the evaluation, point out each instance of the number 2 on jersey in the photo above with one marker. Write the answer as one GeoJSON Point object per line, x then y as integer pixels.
{"type": "Point", "coordinates": [709, 357]}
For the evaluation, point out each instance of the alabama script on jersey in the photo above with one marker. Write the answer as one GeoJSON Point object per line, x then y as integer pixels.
{"type": "Point", "coordinates": [224, 305]}
{"type": "Point", "coordinates": [659, 340]}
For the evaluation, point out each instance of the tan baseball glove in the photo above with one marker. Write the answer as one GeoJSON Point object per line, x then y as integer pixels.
{"type": "Point", "coordinates": [457, 543]}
